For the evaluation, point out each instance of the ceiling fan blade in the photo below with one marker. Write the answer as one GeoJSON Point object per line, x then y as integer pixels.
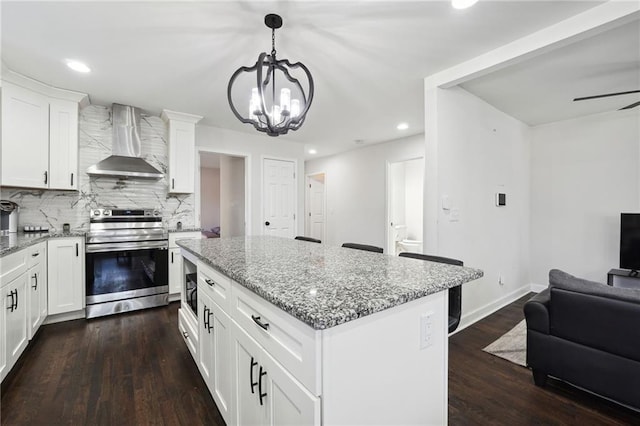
{"type": "Point", "coordinates": [633, 105]}
{"type": "Point", "coordinates": [606, 95]}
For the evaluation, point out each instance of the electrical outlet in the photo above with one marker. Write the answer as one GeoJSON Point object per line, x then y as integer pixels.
{"type": "Point", "coordinates": [426, 330]}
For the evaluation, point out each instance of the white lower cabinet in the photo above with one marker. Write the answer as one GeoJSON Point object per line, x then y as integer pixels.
{"type": "Point", "coordinates": [175, 259]}
{"type": "Point", "coordinates": [265, 393]}
{"type": "Point", "coordinates": [215, 357]}
{"type": "Point", "coordinates": [14, 297]}
{"type": "Point", "coordinates": [65, 258]}
{"type": "Point", "coordinates": [37, 287]}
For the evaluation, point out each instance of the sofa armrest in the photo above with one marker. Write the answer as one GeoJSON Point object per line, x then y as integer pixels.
{"type": "Point", "coordinates": [536, 312]}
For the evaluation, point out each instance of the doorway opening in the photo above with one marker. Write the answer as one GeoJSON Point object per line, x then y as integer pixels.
{"type": "Point", "coordinates": [405, 180]}
{"type": "Point", "coordinates": [223, 193]}
{"type": "Point", "coordinates": [315, 207]}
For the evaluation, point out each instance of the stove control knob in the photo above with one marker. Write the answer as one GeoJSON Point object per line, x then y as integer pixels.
{"type": "Point", "coordinates": [107, 213]}
{"type": "Point", "coordinates": [96, 212]}
{"type": "Point", "coordinates": [156, 213]}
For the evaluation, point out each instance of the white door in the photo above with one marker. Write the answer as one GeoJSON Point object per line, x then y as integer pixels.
{"type": "Point", "coordinates": [279, 198]}
{"type": "Point", "coordinates": [315, 207]}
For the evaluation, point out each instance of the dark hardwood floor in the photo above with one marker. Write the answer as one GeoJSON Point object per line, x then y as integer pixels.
{"type": "Point", "coordinates": [485, 389]}
{"type": "Point", "coordinates": [134, 369]}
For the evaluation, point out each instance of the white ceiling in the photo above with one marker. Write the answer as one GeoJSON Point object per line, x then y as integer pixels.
{"type": "Point", "coordinates": [542, 90]}
{"type": "Point", "coordinates": [368, 58]}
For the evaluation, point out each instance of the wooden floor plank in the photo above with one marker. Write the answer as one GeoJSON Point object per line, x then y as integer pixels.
{"type": "Point", "coordinates": [134, 369]}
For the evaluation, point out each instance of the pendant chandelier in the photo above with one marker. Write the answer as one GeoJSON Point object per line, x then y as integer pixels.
{"type": "Point", "coordinates": [270, 92]}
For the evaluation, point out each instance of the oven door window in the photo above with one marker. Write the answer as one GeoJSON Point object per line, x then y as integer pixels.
{"type": "Point", "coordinates": [127, 270]}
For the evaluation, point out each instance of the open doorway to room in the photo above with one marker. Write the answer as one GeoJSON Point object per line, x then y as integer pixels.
{"type": "Point", "coordinates": [404, 206]}
{"type": "Point", "coordinates": [315, 207]}
{"type": "Point", "coordinates": [223, 189]}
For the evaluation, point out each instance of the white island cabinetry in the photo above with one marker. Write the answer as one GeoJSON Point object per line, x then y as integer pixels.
{"type": "Point", "coordinates": [308, 341]}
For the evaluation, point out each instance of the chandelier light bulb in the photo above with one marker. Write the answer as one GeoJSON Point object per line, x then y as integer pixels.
{"type": "Point", "coordinates": [295, 108]}
{"type": "Point", "coordinates": [285, 101]}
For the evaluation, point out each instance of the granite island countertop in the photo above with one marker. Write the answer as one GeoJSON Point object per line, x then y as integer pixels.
{"type": "Point", "coordinates": [324, 286]}
{"type": "Point", "coordinates": [21, 240]}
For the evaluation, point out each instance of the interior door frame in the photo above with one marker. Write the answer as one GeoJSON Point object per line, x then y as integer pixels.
{"type": "Point", "coordinates": [295, 192]}
{"type": "Point", "coordinates": [307, 204]}
{"type": "Point", "coordinates": [247, 183]}
{"type": "Point", "coordinates": [387, 219]}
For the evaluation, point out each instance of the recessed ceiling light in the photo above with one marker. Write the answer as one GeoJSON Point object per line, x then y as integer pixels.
{"type": "Point", "coordinates": [462, 4]}
{"type": "Point", "coordinates": [312, 151]}
{"type": "Point", "coordinates": [78, 66]}
{"type": "Point", "coordinates": [403, 126]}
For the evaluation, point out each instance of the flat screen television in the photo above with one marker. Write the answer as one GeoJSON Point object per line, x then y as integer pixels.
{"type": "Point", "coordinates": [630, 241]}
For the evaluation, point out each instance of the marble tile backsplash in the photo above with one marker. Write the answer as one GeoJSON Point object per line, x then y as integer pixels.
{"type": "Point", "coordinates": [53, 208]}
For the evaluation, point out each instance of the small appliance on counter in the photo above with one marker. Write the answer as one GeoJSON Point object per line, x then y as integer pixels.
{"type": "Point", "coordinates": [8, 217]}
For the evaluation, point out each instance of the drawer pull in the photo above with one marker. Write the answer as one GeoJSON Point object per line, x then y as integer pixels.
{"type": "Point", "coordinates": [262, 395]}
{"type": "Point", "coordinates": [253, 384]}
{"type": "Point", "coordinates": [210, 282]}
{"type": "Point", "coordinates": [35, 254]}
{"type": "Point", "coordinates": [264, 325]}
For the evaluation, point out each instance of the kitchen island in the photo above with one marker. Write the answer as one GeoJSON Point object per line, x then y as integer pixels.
{"type": "Point", "coordinates": [358, 337]}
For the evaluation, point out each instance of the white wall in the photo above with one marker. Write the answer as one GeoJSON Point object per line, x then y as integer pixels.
{"type": "Point", "coordinates": [255, 147]}
{"type": "Point", "coordinates": [584, 173]}
{"type": "Point", "coordinates": [473, 151]}
{"type": "Point", "coordinates": [210, 198]}
{"type": "Point", "coordinates": [355, 188]}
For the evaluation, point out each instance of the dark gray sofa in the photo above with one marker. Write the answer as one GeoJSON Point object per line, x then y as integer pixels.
{"type": "Point", "coordinates": [587, 334]}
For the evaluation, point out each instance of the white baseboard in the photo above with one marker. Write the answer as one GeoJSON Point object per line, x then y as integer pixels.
{"type": "Point", "coordinates": [68, 316]}
{"type": "Point", "coordinates": [486, 310]}
{"type": "Point", "coordinates": [537, 288]}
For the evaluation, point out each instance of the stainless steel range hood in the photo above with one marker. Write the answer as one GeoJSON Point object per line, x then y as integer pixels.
{"type": "Point", "coordinates": [125, 160]}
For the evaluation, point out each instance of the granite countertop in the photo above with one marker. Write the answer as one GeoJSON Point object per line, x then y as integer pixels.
{"type": "Point", "coordinates": [21, 240]}
{"type": "Point", "coordinates": [325, 286]}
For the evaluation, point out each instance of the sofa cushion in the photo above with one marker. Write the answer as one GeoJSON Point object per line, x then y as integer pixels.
{"type": "Point", "coordinates": [561, 279]}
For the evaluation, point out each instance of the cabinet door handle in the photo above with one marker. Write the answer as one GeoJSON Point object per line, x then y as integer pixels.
{"type": "Point", "coordinates": [171, 257]}
{"type": "Point", "coordinates": [262, 395]}
{"type": "Point", "coordinates": [35, 286]}
{"type": "Point", "coordinates": [209, 281]}
{"type": "Point", "coordinates": [173, 183]}
{"type": "Point", "coordinates": [209, 326]}
{"type": "Point", "coordinates": [256, 319]}
{"type": "Point", "coordinates": [46, 177]}
{"type": "Point", "coordinates": [71, 179]}
{"type": "Point", "coordinates": [253, 384]}
{"type": "Point", "coordinates": [16, 290]}
{"type": "Point", "coordinates": [77, 250]}
{"type": "Point", "coordinates": [10, 306]}
{"type": "Point", "coordinates": [205, 317]}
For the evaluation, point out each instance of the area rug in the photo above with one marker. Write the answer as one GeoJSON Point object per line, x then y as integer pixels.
{"type": "Point", "coordinates": [512, 346]}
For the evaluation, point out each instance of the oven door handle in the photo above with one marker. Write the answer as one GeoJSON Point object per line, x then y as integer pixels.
{"type": "Point", "coordinates": [128, 246]}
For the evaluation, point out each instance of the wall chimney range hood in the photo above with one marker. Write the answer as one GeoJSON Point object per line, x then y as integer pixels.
{"type": "Point", "coordinates": [125, 161]}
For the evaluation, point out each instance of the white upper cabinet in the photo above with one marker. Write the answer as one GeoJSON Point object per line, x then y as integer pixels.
{"type": "Point", "coordinates": [25, 137]}
{"type": "Point", "coordinates": [181, 129]}
{"type": "Point", "coordinates": [39, 134]}
{"type": "Point", "coordinates": [63, 144]}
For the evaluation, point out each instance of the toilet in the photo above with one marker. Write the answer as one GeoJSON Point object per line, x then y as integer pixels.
{"type": "Point", "coordinates": [403, 244]}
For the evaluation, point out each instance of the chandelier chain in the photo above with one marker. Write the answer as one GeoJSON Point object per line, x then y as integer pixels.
{"type": "Point", "coordinates": [273, 43]}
